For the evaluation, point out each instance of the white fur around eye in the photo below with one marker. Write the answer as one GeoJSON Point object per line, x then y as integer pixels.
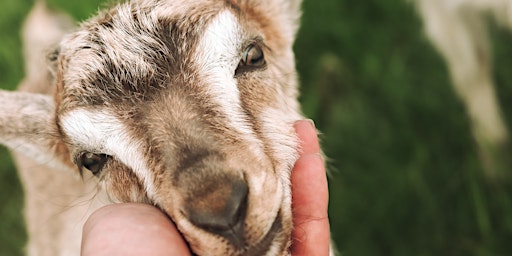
{"type": "Point", "coordinates": [217, 57]}
{"type": "Point", "coordinates": [99, 132]}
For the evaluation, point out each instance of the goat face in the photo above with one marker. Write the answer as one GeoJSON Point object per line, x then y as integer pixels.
{"type": "Point", "coordinates": [188, 105]}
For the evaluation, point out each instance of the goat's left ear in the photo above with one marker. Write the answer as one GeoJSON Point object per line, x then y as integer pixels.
{"type": "Point", "coordinates": [27, 125]}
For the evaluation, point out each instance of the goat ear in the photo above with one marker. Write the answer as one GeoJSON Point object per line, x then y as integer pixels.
{"type": "Point", "coordinates": [27, 125]}
{"type": "Point", "coordinates": [42, 31]}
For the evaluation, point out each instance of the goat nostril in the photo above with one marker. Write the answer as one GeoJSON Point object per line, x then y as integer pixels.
{"type": "Point", "coordinates": [222, 212]}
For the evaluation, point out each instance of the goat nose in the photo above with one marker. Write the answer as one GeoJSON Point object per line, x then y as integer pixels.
{"type": "Point", "coordinates": [222, 210]}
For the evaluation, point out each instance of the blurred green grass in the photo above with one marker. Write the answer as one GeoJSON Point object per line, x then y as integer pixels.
{"type": "Point", "coordinates": [12, 233]}
{"type": "Point", "coordinates": [406, 178]}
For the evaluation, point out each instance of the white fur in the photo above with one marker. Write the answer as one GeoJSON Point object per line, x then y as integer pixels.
{"type": "Point", "coordinates": [218, 57]}
{"type": "Point", "coordinates": [100, 132]}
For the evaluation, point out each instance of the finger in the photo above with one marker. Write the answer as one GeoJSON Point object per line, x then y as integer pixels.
{"type": "Point", "coordinates": [309, 187]}
{"type": "Point", "coordinates": [308, 136]}
{"type": "Point", "coordinates": [131, 229]}
{"type": "Point", "coordinates": [311, 235]}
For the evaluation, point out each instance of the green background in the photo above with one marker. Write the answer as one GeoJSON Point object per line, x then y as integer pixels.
{"type": "Point", "coordinates": [405, 174]}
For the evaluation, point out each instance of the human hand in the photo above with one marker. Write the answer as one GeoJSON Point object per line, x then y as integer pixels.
{"type": "Point", "coordinates": [139, 229]}
{"type": "Point", "coordinates": [131, 229]}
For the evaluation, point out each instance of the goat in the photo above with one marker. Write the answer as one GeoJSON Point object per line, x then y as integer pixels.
{"type": "Point", "coordinates": [185, 105]}
{"type": "Point", "coordinates": [457, 28]}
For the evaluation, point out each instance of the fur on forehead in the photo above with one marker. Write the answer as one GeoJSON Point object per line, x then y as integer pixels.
{"type": "Point", "coordinates": [137, 47]}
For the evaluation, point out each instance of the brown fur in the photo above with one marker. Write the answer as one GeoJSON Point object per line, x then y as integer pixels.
{"type": "Point", "coordinates": [140, 66]}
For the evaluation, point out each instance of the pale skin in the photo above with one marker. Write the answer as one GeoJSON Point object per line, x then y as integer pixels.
{"type": "Point", "coordinates": [139, 229]}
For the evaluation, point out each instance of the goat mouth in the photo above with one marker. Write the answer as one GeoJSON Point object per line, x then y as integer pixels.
{"type": "Point", "coordinates": [264, 245]}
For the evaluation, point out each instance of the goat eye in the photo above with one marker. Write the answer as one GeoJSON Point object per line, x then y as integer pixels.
{"type": "Point", "coordinates": [92, 162]}
{"type": "Point", "coordinates": [253, 57]}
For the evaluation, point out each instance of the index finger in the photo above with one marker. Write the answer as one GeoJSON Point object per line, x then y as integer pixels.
{"type": "Point", "coordinates": [310, 197]}
{"type": "Point", "coordinates": [307, 134]}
